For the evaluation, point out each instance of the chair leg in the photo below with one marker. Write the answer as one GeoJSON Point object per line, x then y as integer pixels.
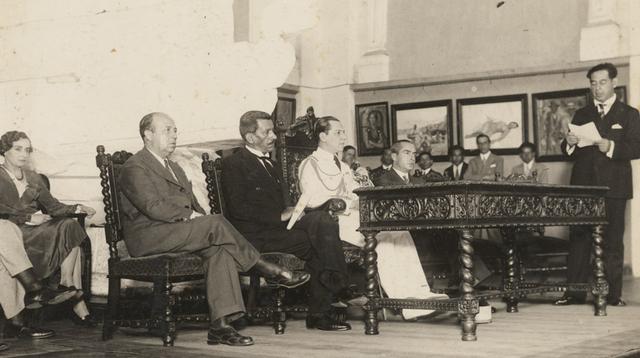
{"type": "Point", "coordinates": [168, 322]}
{"type": "Point", "coordinates": [252, 296]}
{"type": "Point", "coordinates": [279, 315]}
{"type": "Point", "coordinates": [87, 255]}
{"type": "Point", "coordinates": [111, 314]}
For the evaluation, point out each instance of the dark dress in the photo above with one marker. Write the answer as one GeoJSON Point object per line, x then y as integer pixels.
{"type": "Point", "coordinates": [48, 244]}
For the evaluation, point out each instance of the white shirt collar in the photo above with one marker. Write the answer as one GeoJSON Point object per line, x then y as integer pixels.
{"type": "Point", "coordinates": [402, 175]}
{"type": "Point", "coordinates": [424, 171]}
{"type": "Point", "coordinates": [160, 159]}
{"type": "Point", "coordinates": [323, 154]}
{"type": "Point", "coordinates": [459, 166]}
{"type": "Point", "coordinates": [607, 104]}
{"type": "Point", "coordinates": [256, 152]}
{"type": "Point", "coordinates": [387, 167]}
{"type": "Point", "coordinates": [485, 156]}
{"type": "Point", "coordinates": [529, 165]}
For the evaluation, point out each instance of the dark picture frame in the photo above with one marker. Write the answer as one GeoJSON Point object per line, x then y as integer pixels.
{"type": "Point", "coordinates": [372, 128]}
{"type": "Point", "coordinates": [429, 125]}
{"type": "Point", "coordinates": [503, 118]}
{"type": "Point", "coordinates": [552, 113]}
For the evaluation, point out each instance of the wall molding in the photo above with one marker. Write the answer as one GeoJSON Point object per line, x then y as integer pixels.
{"type": "Point", "coordinates": [582, 66]}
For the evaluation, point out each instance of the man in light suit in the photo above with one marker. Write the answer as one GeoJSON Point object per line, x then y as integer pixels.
{"type": "Point", "coordinates": [161, 215]}
{"type": "Point", "coordinates": [529, 168]}
{"type": "Point", "coordinates": [606, 163]}
{"type": "Point", "coordinates": [458, 167]}
{"type": "Point", "coordinates": [486, 166]}
{"type": "Point", "coordinates": [258, 210]}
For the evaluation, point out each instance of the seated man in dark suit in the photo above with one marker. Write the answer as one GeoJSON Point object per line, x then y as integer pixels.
{"type": "Point", "coordinates": [161, 215]}
{"type": "Point", "coordinates": [252, 184]}
{"type": "Point", "coordinates": [403, 157]}
{"type": "Point", "coordinates": [385, 165]}
{"type": "Point", "coordinates": [425, 170]}
{"type": "Point", "coordinates": [458, 167]}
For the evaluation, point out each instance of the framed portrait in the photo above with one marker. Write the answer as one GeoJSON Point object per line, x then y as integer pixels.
{"type": "Point", "coordinates": [552, 113]}
{"type": "Point", "coordinates": [372, 126]}
{"type": "Point", "coordinates": [502, 118]}
{"type": "Point", "coordinates": [428, 125]}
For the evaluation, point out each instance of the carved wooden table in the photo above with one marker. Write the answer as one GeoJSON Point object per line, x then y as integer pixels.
{"type": "Point", "coordinates": [465, 206]}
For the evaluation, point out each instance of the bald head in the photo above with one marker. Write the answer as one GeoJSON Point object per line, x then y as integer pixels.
{"type": "Point", "coordinates": [159, 133]}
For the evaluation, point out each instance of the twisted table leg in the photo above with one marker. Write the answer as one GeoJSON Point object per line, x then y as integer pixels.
{"type": "Point", "coordinates": [600, 286]}
{"type": "Point", "coordinates": [468, 305]}
{"type": "Point", "coordinates": [510, 279]}
{"type": "Point", "coordinates": [371, 258]}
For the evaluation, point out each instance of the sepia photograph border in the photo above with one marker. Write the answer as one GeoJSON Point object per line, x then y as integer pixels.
{"type": "Point", "coordinates": [447, 103]}
{"type": "Point", "coordinates": [522, 98]}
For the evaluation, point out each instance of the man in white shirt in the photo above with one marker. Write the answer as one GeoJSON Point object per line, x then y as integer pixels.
{"type": "Point", "coordinates": [323, 177]}
{"type": "Point", "coordinates": [529, 168]}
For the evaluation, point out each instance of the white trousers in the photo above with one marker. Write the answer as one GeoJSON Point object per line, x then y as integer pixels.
{"type": "Point", "coordinates": [13, 260]}
{"type": "Point", "coordinates": [399, 268]}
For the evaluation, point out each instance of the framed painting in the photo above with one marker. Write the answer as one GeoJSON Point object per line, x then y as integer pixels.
{"type": "Point", "coordinates": [372, 127]}
{"type": "Point", "coordinates": [552, 113]}
{"type": "Point", "coordinates": [429, 125]}
{"type": "Point", "coordinates": [502, 118]}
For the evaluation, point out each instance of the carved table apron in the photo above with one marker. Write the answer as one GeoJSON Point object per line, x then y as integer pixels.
{"type": "Point", "coordinates": [468, 205]}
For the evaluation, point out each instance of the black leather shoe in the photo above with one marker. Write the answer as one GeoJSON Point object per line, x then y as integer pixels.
{"type": "Point", "coordinates": [25, 332]}
{"type": "Point", "coordinates": [568, 300]}
{"type": "Point", "coordinates": [47, 296]}
{"type": "Point", "coordinates": [326, 323]}
{"type": "Point", "coordinates": [3, 346]}
{"type": "Point", "coordinates": [617, 302]}
{"type": "Point", "coordinates": [88, 321]}
{"type": "Point", "coordinates": [298, 278]}
{"type": "Point", "coordinates": [228, 336]}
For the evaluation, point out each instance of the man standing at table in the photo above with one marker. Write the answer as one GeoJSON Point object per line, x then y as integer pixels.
{"type": "Point", "coordinates": [605, 163]}
{"type": "Point", "coordinates": [486, 166]}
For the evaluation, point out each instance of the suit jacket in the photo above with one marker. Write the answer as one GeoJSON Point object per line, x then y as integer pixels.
{"type": "Point", "coordinates": [390, 177]}
{"type": "Point", "coordinates": [479, 170]}
{"type": "Point", "coordinates": [254, 199]}
{"type": "Point", "coordinates": [150, 198]}
{"type": "Point", "coordinates": [36, 197]}
{"type": "Point", "coordinates": [541, 170]}
{"type": "Point", "coordinates": [592, 167]}
{"type": "Point", "coordinates": [430, 177]}
{"type": "Point", "coordinates": [448, 173]}
{"type": "Point", "coordinates": [376, 173]}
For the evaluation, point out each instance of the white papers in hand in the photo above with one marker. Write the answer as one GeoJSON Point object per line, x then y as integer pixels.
{"type": "Point", "coordinates": [587, 133]}
{"type": "Point", "coordinates": [298, 209]}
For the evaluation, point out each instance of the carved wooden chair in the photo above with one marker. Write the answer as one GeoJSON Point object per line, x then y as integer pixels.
{"type": "Point", "coordinates": [162, 270]}
{"type": "Point", "coordinates": [277, 310]}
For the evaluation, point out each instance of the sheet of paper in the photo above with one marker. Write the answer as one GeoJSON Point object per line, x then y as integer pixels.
{"type": "Point", "coordinates": [588, 134]}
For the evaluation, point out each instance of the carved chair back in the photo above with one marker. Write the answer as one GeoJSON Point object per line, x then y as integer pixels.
{"type": "Point", "coordinates": [293, 148]}
{"type": "Point", "coordinates": [109, 166]}
{"type": "Point", "coordinates": [212, 170]}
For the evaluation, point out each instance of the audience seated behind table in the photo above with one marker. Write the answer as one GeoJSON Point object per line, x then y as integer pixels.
{"type": "Point", "coordinates": [424, 170]}
{"type": "Point", "coordinates": [458, 166]}
{"type": "Point", "coordinates": [486, 166]}
{"type": "Point", "coordinates": [51, 240]}
{"type": "Point", "coordinates": [322, 176]}
{"type": "Point", "coordinates": [529, 170]}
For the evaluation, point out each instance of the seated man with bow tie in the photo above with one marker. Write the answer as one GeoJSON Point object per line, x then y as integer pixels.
{"type": "Point", "coordinates": [255, 197]}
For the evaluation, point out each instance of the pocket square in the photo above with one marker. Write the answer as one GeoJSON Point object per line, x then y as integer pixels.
{"type": "Point", "coordinates": [492, 165]}
{"type": "Point", "coordinates": [616, 126]}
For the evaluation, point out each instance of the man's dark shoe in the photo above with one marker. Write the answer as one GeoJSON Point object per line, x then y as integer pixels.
{"type": "Point", "coordinates": [327, 323]}
{"type": "Point", "coordinates": [568, 300]}
{"type": "Point", "coordinates": [619, 302]}
{"type": "Point", "coordinates": [3, 346]}
{"type": "Point", "coordinates": [228, 336]}
{"type": "Point", "coordinates": [298, 278]}
{"type": "Point", "coordinates": [47, 296]}
{"type": "Point", "coordinates": [25, 332]}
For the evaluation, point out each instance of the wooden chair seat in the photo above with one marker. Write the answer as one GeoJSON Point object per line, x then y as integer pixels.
{"type": "Point", "coordinates": [175, 266]}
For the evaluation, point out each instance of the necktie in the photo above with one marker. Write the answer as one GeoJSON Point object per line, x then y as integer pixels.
{"type": "Point", "coordinates": [601, 110]}
{"type": "Point", "coordinates": [455, 172]}
{"type": "Point", "coordinates": [269, 166]}
{"type": "Point", "coordinates": [406, 179]}
{"type": "Point", "coordinates": [168, 167]}
{"type": "Point", "coordinates": [335, 160]}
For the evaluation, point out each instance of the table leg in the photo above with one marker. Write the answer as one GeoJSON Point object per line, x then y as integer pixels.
{"type": "Point", "coordinates": [600, 286]}
{"type": "Point", "coordinates": [510, 280]}
{"type": "Point", "coordinates": [372, 293]}
{"type": "Point", "coordinates": [468, 305]}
